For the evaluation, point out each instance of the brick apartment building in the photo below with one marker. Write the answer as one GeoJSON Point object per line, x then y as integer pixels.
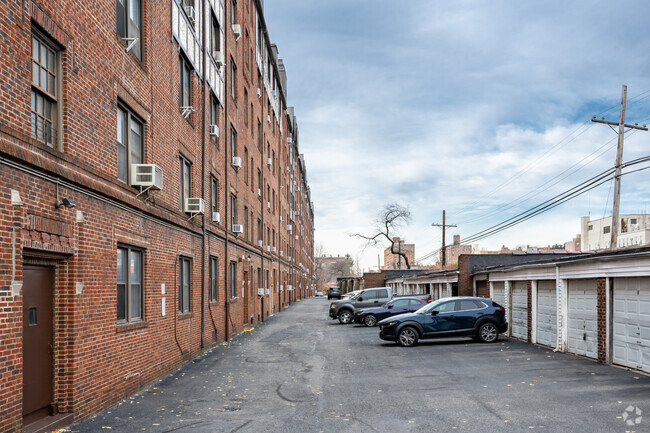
{"type": "Point", "coordinates": [395, 261]}
{"type": "Point", "coordinates": [154, 199]}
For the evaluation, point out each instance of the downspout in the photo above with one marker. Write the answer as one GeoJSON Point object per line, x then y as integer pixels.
{"type": "Point", "coordinates": [203, 220]}
{"type": "Point", "coordinates": [226, 262]}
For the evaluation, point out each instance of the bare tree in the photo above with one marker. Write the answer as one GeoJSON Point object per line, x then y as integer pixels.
{"type": "Point", "coordinates": [391, 218]}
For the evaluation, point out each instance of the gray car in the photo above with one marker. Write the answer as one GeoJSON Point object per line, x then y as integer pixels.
{"type": "Point", "coordinates": [344, 310]}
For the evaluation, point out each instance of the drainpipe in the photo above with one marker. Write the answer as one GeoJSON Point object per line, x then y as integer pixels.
{"type": "Point", "coordinates": [225, 116]}
{"type": "Point", "coordinates": [203, 220]}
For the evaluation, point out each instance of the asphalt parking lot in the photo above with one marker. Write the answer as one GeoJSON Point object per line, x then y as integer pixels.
{"type": "Point", "coordinates": [300, 371]}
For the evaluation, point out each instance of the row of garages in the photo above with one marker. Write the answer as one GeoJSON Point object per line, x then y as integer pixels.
{"type": "Point", "coordinates": [595, 305]}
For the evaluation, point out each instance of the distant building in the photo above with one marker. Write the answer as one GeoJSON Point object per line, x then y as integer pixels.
{"type": "Point", "coordinates": [456, 249]}
{"type": "Point", "coordinates": [634, 230]}
{"type": "Point", "coordinates": [395, 261]}
{"type": "Point", "coordinates": [330, 268]}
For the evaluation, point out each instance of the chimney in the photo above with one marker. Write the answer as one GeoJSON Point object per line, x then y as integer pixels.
{"type": "Point", "coordinates": [456, 239]}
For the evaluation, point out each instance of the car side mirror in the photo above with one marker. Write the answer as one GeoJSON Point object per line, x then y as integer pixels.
{"type": "Point", "coordinates": [360, 299]}
{"type": "Point", "coordinates": [435, 312]}
{"type": "Point", "coordinates": [389, 306]}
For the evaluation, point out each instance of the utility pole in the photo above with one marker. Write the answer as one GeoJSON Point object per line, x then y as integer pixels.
{"type": "Point", "coordinates": [444, 228]}
{"type": "Point", "coordinates": [619, 159]}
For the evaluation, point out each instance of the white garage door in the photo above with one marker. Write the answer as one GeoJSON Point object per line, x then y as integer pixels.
{"type": "Point", "coordinates": [631, 337]}
{"type": "Point", "coordinates": [583, 315]}
{"type": "Point", "coordinates": [499, 293]}
{"type": "Point", "coordinates": [519, 309]}
{"type": "Point", "coordinates": [546, 313]}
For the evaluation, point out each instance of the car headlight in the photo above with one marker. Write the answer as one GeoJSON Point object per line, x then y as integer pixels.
{"type": "Point", "coordinates": [391, 324]}
{"type": "Point", "coordinates": [333, 306]}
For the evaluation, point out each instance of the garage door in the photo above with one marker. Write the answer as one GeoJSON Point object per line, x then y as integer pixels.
{"type": "Point", "coordinates": [482, 289]}
{"type": "Point", "coordinates": [582, 315]}
{"type": "Point", "coordinates": [519, 316]}
{"type": "Point", "coordinates": [631, 339]}
{"type": "Point", "coordinates": [546, 313]}
{"type": "Point", "coordinates": [499, 293]}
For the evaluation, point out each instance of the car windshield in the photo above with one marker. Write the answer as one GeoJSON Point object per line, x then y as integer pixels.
{"type": "Point", "coordinates": [356, 295]}
{"type": "Point", "coordinates": [429, 307]}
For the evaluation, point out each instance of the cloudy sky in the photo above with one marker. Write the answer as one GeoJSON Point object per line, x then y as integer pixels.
{"type": "Point", "coordinates": [480, 108]}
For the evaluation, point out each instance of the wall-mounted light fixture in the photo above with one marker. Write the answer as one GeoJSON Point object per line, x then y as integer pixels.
{"type": "Point", "coordinates": [66, 202]}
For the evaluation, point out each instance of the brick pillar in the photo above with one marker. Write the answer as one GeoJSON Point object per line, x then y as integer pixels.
{"type": "Point", "coordinates": [529, 309]}
{"type": "Point", "coordinates": [601, 305]}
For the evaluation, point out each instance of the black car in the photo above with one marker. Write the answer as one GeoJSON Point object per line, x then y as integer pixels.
{"type": "Point", "coordinates": [479, 318]}
{"type": "Point", "coordinates": [370, 316]}
{"type": "Point", "coordinates": [334, 292]}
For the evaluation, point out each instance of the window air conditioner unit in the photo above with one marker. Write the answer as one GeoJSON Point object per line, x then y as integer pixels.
{"type": "Point", "coordinates": [267, 291]}
{"type": "Point", "coordinates": [268, 248]}
{"type": "Point", "coordinates": [259, 92]}
{"type": "Point", "coordinates": [289, 258]}
{"type": "Point", "coordinates": [297, 188]}
{"type": "Point", "coordinates": [259, 192]}
{"type": "Point", "coordinates": [289, 227]}
{"type": "Point", "coordinates": [236, 28]}
{"type": "Point", "coordinates": [147, 175]}
{"type": "Point", "coordinates": [218, 58]}
{"type": "Point", "coordinates": [236, 161]}
{"type": "Point", "coordinates": [273, 249]}
{"type": "Point", "coordinates": [269, 162]}
{"type": "Point", "coordinates": [296, 237]}
{"type": "Point", "coordinates": [268, 205]}
{"type": "Point", "coordinates": [289, 140]}
{"type": "Point", "coordinates": [268, 117]}
{"type": "Point", "coordinates": [194, 205]}
{"type": "Point", "coordinates": [281, 253]}
{"type": "Point", "coordinates": [289, 287]}
{"type": "Point", "coordinates": [260, 291]}
{"type": "Point", "coordinates": [216, 217]}
{"type": "Point", "coordinates": [260, 243]}
{"type": "Point", "coordinates": [280, 218]}
{"type": "Point", "coordinates": [191, 14]}
{"type": "Point", "coordinates": [237, 228]}
{"type": "Point", "coordinates": [214, 130]}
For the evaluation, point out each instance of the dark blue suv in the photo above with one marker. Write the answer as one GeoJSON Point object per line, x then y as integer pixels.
{"type": "Point", "coordinates": [479, 318]}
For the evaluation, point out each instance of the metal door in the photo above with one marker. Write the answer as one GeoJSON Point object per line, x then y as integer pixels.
{"type": "Point", "coordinates": [583, 318]}
{"type": "Point", "coordinates": [38, 330]}
{"type": "Point", "coordinates": [631, 336]}
{"type": "Point", "coordinates": [546, 313]}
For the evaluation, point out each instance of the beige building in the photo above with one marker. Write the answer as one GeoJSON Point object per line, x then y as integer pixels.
{"type": "Point", "coordinates": [395, 261]}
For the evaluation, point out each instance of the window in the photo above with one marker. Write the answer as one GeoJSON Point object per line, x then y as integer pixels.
{"type": "Point", "coordinates": [214, 195]}
{"type": "Point", "coordinates": [129, 284]}
{"type": "Point", "coordinates": [401, 303]}
{"type": "Point", "coordinates": [214, 113]}
{"type": "Point", "coordinates": [471, 305]}
{"type": "Point", "coordinates": [185, 175]}
{"type": "Point", "coordinates": [184, 86]}
{"type": "Point", "coordinates": [233, 141]}
{"type": "Point", "coordinates": [415, 302]}
{"type": "Point", "coordinates": [259, 182]}
{"type": "Point", "coordinates": [273, 161]}
{"type": "Point", "coordinates": [259, 278]}
{"type": "Point", "coordinates": [184, 284]}
{"type": "Point", "coordinates": [44, 91]}
{"type": "Point", "coordinates": [214, 266]}
{"type": "Point", "coordinates": [130, 142]}
{"type": "Point", "coordinates": [260, 233]}
{"type": "Point", "coordinates": [606, 229]}
{"type": "Point", "coordinates": [233, 209]}
{"type": "Point", "coordinates": [370, 294]}
{"type": "Point", "coordinates": [233, 277]}
{"type": "Point", "coordinates": [233, 79]}
{"type": "Point", "coordinates": [246, 165]}
{"type": "Point", "coordinates": [246, 228]}
{"type": "Point", "coordinates": [632, 220]}
{"type": "Point", "coordinates": [446, 307]}
{"type": "Point", "coordinates": [246, 107]}
{"type": "Point", "coordinates": [215, 36]}
{"type": "Point", "coordinates": [233, 12]}
{"type": "Point", "coordinates": [129, 26]}
{"type": "Point", "coordinates": [259, 135]}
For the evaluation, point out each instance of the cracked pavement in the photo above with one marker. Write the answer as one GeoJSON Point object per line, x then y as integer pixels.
{"type": "Point", "coordinates": [302, 372]}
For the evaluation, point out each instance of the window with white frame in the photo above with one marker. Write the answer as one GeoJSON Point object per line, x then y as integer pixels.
{"type": "Point", "coordinates": [130, 297]}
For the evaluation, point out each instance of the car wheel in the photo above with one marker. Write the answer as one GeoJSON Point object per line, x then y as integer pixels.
{"type": "Point", "coordinates": [345, 317]}
{"type": "Point", "coordinates": [488, 332]}
{"type": "Point", "coordinates": [370, 320]}
{"type": "Point", "coordinates": [407, 337]}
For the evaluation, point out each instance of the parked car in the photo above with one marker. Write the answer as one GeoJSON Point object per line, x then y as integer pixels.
{"type": "Point", "coordinates": [350, 294]}
{"type": "Point", "coordinates": [370, 316]}
{"type": "Point", "coordinates": [334, 292]}
{"type": "Point", "coordinates": [319, 294]}
{"type": "Point", "coordinates": [480, 318]}
{"type": "Point", "coordinates": [373, 297]}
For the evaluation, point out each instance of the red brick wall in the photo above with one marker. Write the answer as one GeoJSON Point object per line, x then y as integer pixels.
{"type": "Point", "coordinates": [465, 281]}
{"type": "Point", "coordinates": [98, 362]}
{"type": "Point", "coordinates": [601, 304]}
{"type": "Point", "coordinates": [374, 279]}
